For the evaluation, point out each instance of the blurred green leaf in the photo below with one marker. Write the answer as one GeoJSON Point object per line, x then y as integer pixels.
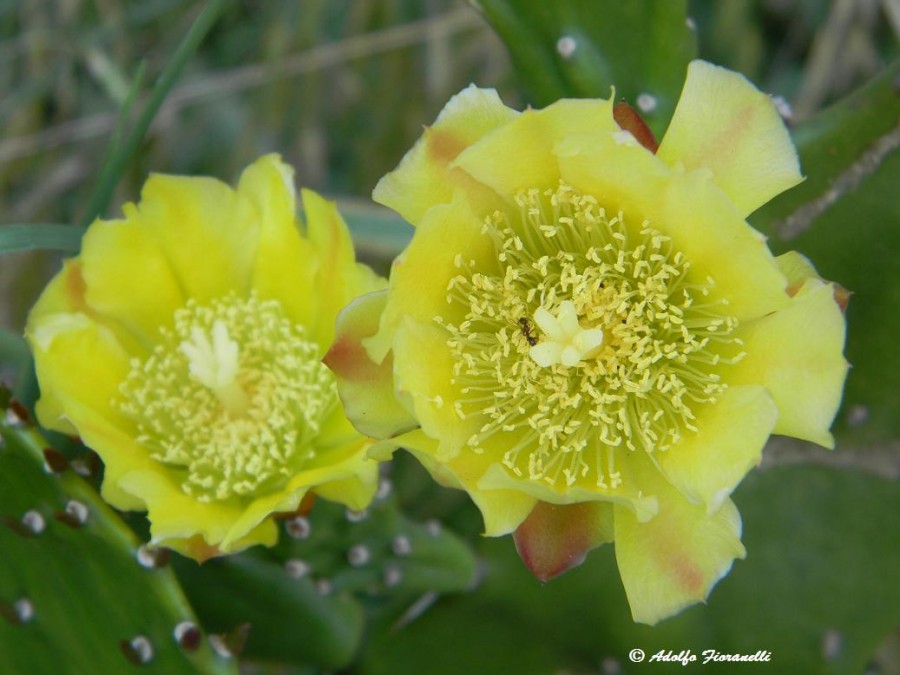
{"type": "Point", "coordinates": [846, 218]}
{"type": "Point", "coordinates": [326, 567]}
{"type": "Point", "coordinates": [40, 236]}
{"type": "Point", "coordinates": [290, 620]}
{"type": "Point", "coordinates": [379, 234]}
{"type": "Point", "coordinates": [70, 593]}
{"type": "Point", "coordinates": [13, 348]}
{"type": "Point", "coordinates": [15, 357]}
{"type": "Point", "coordinates": [830, 144]}
{"type": "Point", "coordinates": [572, 48]}
{"type": "Point", "coordinates": [107, 74]}
{"type": "Point", "coordinates": [820, 589]}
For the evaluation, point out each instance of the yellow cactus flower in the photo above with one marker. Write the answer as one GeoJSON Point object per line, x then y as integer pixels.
{"type": "Point", "coordinates": [586, 335]}
{"type": "Point", "coordinates": [184, 346]}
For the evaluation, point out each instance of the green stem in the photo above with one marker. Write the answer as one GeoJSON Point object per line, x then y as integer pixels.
{"type": "Point", "coordinates": [108, 174]}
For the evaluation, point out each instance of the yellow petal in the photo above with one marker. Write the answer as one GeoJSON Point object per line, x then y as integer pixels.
{"type": "Point", "coordinates": [796, 353]}
{"type": "Point", "coordinates": [66, 294]}
{"type": "Point", "coordinates": [208, 235]}
{"type": "Point", "coordinates": [631, 494]}
{"type": "Point", "coordinates": [63, 296]}
{"type": "Point", "coordinates": [176, 515]}
{"type": "Point", "coordinates": [366, 388]}
{"type": "Point", "coordinates": [707, 465]}
{"type": "Point", "coordinates": [128, 278]}
{"type": "Point", "coordinates": [264, 534]}
{"type": "Point", "coordinates": [267, 187]}
{"type": "Point", "coordinates": [285, 261]}
{"type": "Point", "coordinates": [449, 234]}
{"type": "Point", "coordinates": [674, 559]}
{"type": "Point", "coordinates": [423, 372]}
{"type": "Point", "coordinates": [338, 279]}
{"type": "Point", "coordinates": [689, 208]}
{"type": "Point", "coordinates": [425, 176]}
{"type": "Point", "coordinates": [502, 510]}
{"type": "Point", "coordinates": [797, 268]}
{"type": "Point", "coordinates": [520, 154]}
{"type": "Point", "coordinates": [724, 124]}
{"type": "Point", "coordinates": [121, 454]}
{"type": "Point", "coordinates": [355, 492]}
{"type": "Point", "coordinates": [80, 364]}
{"type": "Point", "coordinates": [255, 514]}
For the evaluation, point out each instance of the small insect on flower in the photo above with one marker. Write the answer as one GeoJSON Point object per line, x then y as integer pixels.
{"type": "Point", "coordinates": [525, 327]}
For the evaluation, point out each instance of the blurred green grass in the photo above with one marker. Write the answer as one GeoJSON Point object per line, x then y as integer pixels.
{"type": "Point", "coordinates": [341, 88]}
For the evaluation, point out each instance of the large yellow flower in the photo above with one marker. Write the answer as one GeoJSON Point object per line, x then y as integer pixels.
{"type": "Point", "coordinates": [184, 345]}
{"type": "Point", "coordinates": [586, 335]}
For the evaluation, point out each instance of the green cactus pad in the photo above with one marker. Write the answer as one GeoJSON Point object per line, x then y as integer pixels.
{"type": "Point", "coordinates": [77, 592]}
{"type": "Point", "coordinates": [308, 598]}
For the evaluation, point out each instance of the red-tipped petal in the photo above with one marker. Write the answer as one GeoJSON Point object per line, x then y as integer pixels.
{"type": "Point", "coordinates": [629, 120]}
{"type": "Point", "coordinates": [197, 548]}
{"type": "Point", "coordinates": [841, 296]}
{"type": "Point", "coordinates": [555, 538]}
{"type": "Point", "coordinates": [366, 388]}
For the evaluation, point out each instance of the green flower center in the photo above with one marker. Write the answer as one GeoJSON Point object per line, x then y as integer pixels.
{"type": "Point", "coordinates": [230, 398]}
{"type": "Point", "coordinates": [593, 339]}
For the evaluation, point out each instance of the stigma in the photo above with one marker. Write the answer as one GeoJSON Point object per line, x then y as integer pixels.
{"type": "Point", "coordinates": [215, 364]}
{"type": "Point", "coordinates": [568, 343]}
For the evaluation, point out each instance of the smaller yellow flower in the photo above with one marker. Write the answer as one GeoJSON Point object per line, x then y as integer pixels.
{"type": "Point", "coordinates": [184, 345]}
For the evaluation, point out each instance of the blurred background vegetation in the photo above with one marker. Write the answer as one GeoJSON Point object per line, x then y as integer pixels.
{"type": "Point", "coordinates": [342, 88]}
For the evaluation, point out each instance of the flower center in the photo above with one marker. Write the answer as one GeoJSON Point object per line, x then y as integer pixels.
{"type": "Point", "coordinates": [593, 339]}
{"type": "Point", "coordinates": [567, 341]}
{"type": "Point", "coordinates": [215, 365]}
{"type": "Point", "coordinates": [231, 397]}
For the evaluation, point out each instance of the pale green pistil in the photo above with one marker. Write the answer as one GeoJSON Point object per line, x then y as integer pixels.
{"type": "Point", "coordinates": [215, 365]}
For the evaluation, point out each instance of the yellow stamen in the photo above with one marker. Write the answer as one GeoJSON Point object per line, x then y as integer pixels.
{"type": "Point", "coordinates": [594, 339]}
{"type": "Point", "coordinates": [233, 394]}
